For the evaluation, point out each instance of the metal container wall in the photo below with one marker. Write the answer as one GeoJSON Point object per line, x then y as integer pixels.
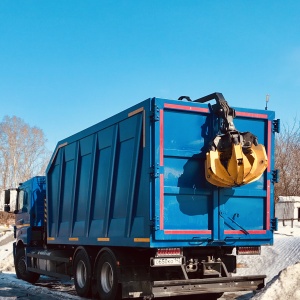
{"type": "Point", "coordinates": [99, 183]}
{"type": "Point", "coordinates": [137, 179]}
{"type": "Point", "coordinates": [188, 210]}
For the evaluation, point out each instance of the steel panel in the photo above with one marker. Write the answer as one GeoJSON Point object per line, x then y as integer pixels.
{"type": "Point", "coordinates": [98, 183]}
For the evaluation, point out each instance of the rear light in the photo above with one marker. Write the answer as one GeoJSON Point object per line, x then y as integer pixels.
{"type": "Point", "coordinates": [248, 250]}
{"type": "Point", "coordinates": [168, 252]}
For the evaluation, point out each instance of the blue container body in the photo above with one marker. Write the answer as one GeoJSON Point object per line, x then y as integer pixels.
{"type": "Point", "coordinates": [137, 179]}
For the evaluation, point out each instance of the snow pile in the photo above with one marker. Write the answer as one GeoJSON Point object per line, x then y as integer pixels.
{"type": "Point", "coordinates": [273, 259]}
{"type": "Point", "coordinates": [281, 264]}
{"type": "Point", "coordinates": [6, 246]}
{"type": "Point", "coordinates": [284, 286]}
{"type": "Point", "coordinates": [288, 229]}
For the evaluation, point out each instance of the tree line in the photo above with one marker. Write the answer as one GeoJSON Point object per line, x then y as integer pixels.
{"type": "Point", "coordinates": [287, 160]}
{"type": "Point", "coordinates": [23, 154]}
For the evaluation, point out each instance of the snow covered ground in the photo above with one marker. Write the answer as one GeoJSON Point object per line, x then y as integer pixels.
{"type": "Point", "coordinates": [280, 262]}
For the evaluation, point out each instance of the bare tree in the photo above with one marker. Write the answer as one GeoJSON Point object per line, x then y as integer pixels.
{"type": "Point", "coordinates": [287, 157]}
{"type": "Point", "coordinates": [23, 152]}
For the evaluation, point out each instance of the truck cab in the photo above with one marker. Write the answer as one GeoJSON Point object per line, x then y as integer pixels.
{"type": "Point", "coordinates": [29, 210]}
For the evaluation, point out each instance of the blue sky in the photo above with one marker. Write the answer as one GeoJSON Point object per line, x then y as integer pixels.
{"type": "Point", "coordinates": [66, 65]}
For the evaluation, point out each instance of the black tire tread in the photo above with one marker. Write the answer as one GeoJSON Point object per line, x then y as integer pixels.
{"type": "Point", "coordinates": [85, 291]}
{"type": "Point", "coordinates": [28, 276]}
{"type": "Point", "coordinates": [115, 291]}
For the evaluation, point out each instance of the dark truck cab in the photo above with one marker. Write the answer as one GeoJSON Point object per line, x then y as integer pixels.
{"type": "Point", "coordinates": [29, 228]}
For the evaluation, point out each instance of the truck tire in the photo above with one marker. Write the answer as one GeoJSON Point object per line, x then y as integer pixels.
{"type": "Point", "coordinates": [107, 277]}
{"type": "Point", "coordinates": [82, 271]}
{"type": "Point", "coordinates": [21, 268]}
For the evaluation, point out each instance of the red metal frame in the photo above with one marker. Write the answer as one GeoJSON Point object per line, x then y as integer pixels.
{"type": "Point", "coordinates": [161, 158]}
{"type": "Point", "coordinates": [183, 107]}
{"type": "Point", "coordinates": [251, 115]}
{"type": "Point", "coordinates": [161, 162]}
{"type": "Point", "coordinates": [174, 231]}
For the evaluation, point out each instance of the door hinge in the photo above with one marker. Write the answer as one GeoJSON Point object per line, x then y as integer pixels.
{"type": "Point", "coordinates": [155, 113]}
{"type": "Point", "coordinates": [275, 176]}
{"type": "Point", "coordinates": [276, 125]}
{"type": "Point", "coordinates": [155, 223]}
{"type": "Point", "coordinates": [274, 224]}
{"type": "Point", "coordinates": [154, 171]}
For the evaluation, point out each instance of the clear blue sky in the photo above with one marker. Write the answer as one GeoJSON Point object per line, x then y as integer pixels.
{"type": "Point", "coordinates": [66, 65]}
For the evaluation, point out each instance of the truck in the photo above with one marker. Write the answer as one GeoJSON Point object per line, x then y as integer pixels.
{"type": "Point", "coordinates": [156, 201]}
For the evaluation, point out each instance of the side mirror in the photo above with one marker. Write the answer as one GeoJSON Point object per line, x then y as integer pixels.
{"type": "Point", "coordinates": [6, 197]}
{"type": "Point", "coordinates": [5, 200]}
{"type": "Point", "coordinates": [10, 200]}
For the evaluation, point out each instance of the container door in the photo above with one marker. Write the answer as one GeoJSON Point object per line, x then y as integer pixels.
{"type": "Point", "coordinates": [187, 207]}
{"type": "Point", "coordinates": [183, 200]}
{"type": "Point", "coordinates": [246, 212]}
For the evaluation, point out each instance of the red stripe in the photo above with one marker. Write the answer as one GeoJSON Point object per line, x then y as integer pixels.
{"type": "Point", "coordinates": [268, 181]}
{"type": "Point", "coordinates": [187, 231]}
{"type": "Point", "coordinates": [251, 115]}
{"type": "Point", "coordinates": [161, 140]}
{"type": "Point", "coordinates": [243, 232]}
{"type": "Point", "coordinates": [184, 107]}
{"type": "Point", "coordinates": [268, 205]}
{"type": "Point", "coordinates": [161, 197]}
{"type": "Point", "coordinates": [269, 144]}
{"type": "Point", "coordinates": [161, 176]}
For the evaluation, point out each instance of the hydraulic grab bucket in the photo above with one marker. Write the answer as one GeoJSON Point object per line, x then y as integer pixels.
{"type": "Point", "coordinates": [235, 166]}
{"type": "Point", "coordinates": [234, 158]}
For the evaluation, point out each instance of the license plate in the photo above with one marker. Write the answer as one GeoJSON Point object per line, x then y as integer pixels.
{"type": "Point", "coordinates": [167, 261]}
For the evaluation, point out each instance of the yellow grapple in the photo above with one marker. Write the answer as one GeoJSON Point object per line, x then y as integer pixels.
{"type": "Point", "coordinates": [234, 158]}
{"type": "Point", "coordinates": [241, 168]}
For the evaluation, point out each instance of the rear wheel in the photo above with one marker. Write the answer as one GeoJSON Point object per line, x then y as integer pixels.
{"type": "Point", "coordinates": [21, 268]}
{"type": "Point", "coordinates": [107, 277]}
{"type": "Point", "coordinates": [82, 271]}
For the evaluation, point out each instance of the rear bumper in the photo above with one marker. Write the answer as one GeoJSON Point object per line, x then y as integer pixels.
{"type": "Point", "coordinates": [209, 285]}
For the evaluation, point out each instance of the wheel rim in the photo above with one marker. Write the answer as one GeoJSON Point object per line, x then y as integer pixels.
{"type": "Point", "coordinates": [81, 274]}
{"type": "Point", "coordinates": [107, 277]}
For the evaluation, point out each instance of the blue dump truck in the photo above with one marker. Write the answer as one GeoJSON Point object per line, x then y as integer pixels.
{"type": "Point", "coordinates": [155, 201]}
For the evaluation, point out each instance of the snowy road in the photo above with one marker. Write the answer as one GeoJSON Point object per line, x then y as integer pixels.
{"type": "Point", "coordinates": [273, 259]}
{"type": "Point", "coordinates": [46, 289]}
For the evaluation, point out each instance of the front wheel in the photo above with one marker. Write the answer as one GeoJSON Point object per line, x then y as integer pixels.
{"type": "Point", "coordinates": [21, 268]}
{"type": "Point", "coordinates": [107, 277]}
